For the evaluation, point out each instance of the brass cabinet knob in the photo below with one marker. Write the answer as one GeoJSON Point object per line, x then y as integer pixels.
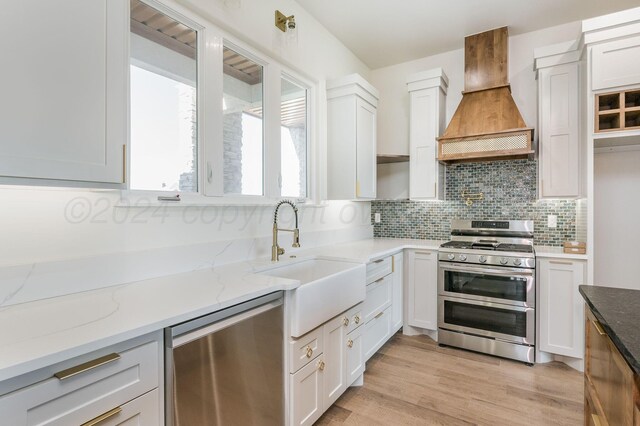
{"type": "Point", "coordinates": [350, 343]}
{"type": "Point", "coordinates": [345, 321]}
{"type": "Point", "coordinates": [356, 319]}
{"type": "Point", "coordinates": [321, 365]}
{"type": "Point", "coordinates": [309, 351]}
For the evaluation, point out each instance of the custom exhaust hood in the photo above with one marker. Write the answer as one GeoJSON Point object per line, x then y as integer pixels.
{"type": "Point", "coordinates": [487, 124]}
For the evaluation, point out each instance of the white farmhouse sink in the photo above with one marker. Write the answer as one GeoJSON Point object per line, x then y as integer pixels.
{"type": "Point", "coordinates": [328, 287]}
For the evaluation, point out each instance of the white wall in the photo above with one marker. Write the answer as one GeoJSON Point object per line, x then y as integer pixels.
{"type": "Point", "coordinates": [393, 106]}
{"type": "Point", "coordinates": [616, 206]}
{"type": "Point", "coordinates": [37, 223]}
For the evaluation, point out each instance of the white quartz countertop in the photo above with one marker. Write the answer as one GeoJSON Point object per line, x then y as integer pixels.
{"type": "Point", "coordinates": [557, 253]}
{"type": "Point", "coordinates": [41, 333]}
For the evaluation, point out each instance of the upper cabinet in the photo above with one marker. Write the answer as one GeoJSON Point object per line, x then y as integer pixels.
{"type": "Point", "coordinates": [351, 139]}
{"type": "Point", "coordinates": [561, 153]}
{"type": "Point", "coordinates": [427, 94]}
{"type": "Point", "coordinates": [64, 88]}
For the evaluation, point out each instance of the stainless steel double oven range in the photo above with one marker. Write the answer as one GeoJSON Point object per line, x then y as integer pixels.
{"type": "Point", "coordinates": [487, 288]}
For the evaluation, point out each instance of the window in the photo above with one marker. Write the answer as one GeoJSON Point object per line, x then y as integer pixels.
{"type": "Point", "coordinates": [164, 129]}
{"type": "Point", "coordinates": [243, 134]}
{"type": "Point", "coordinates": [293, 139]}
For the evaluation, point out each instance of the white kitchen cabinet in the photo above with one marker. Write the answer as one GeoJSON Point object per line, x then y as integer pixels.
{"type": "Point", "coordinates": [355, 355]}
{"type": "Point", "coordinates": [427, 95]}
{"type": "Point", "coordinates": [423, 289]}
{"type": "Point", "coordinates": [397, 311]}
{"type": "Point", "coordinates": [141, 411]}
{"type": "Point", "coordinates": [559, 101]}
{"type": "Point", "coordinates": [379, 297]}
{"type": "Point", "coordinates": [615, 64]}
{"type": "Point", "coordinates": [306, 393]}
{"type": "Point", "coordinates": [351, 139]}
{"type": "Point", "coordinates": [64, 88]}
{"type": "Point", "coordinates": [335, 357]}
{"type": "Point", "coordinates": [122, 383]}
{"type": "Point", "coordinates": [560, 306]}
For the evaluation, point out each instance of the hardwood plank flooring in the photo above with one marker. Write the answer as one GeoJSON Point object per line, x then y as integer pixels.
{"type": "Point", "coordinates": [413, 381]}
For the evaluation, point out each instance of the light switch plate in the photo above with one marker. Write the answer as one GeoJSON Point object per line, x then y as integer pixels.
{"type": "Point", "coordinates": [376, 217]}
{"type": "Point", "coordinates": [552, 221]}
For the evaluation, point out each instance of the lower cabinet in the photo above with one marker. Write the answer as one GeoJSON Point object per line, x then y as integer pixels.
{"type": "Point", "coordinates": [560, 307]}
{"type": "Point", "coordinates": [324, 362]}
{"type": "Point", "coordinates": [117, 385]}
{"type": "Point", "coordinates": [609, 381]}
{"type": "Point", "coordinates": [422, 286]}
{"type": "Point", "coordinates": [355, 355]}
{"type": "Point", "coordinates": [306, 391]}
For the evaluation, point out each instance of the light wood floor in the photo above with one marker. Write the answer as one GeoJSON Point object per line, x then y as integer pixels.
{"type": "Point", "coordinates": [412, 381]}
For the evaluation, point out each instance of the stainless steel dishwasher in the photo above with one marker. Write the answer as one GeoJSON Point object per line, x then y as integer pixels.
{"type": "Point", "coordinates": [227, 368]}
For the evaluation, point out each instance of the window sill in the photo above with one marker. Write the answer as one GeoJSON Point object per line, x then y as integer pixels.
{"type": "Point", "coordinates": [140, 199]}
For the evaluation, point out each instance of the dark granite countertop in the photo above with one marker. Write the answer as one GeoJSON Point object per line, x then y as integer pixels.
{"type": "Point", "coordinates": [618, 310]}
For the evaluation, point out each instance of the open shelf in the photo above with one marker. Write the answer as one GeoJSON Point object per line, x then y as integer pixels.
{"type": "Point", "coordinates": [617, 111]}
{"type": "Point", "coordinates": [388, 159]}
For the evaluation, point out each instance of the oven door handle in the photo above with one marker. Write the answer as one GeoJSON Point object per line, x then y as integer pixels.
{"type": "Point", "coordinates": [487, 304]}
{"type": "Point", "coordinates": [481, 269]}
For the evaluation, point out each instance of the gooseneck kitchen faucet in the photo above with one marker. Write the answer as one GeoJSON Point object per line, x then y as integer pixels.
{"type": "Point", "coordinates": [276, 250]}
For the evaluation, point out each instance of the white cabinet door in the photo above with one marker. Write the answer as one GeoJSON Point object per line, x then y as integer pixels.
{"type": "Point", "coordinates": [64, 89]}
{"type": "Point", "coordinates": [351, 139]}
{"type": "Point", "coordinates": [615, 64]}
{"type": "Point", "coordinates": [306, 389]}
{"type": "Point", "coordinates": [365, 150]}
{"type": "Point", "coordinates": [397, 296]}
{"type": "Point", "coordinates": [560, 169]}
{"type": "Point", "coordinates": [426, 123]}
{"type": "Point", "coordinates": [335, 354]}
{"type": "Point", "coordinates": [355, 355]}
{"type": "Point", "coordinates": [560, 307]}
{"type": "Point", "coordinates": [423, 289]}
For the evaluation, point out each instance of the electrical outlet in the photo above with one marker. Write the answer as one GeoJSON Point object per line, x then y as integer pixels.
{"type": "Point", "coordinates": [552, 221]}
{"type": "Point", "coordinates": [376, 217]}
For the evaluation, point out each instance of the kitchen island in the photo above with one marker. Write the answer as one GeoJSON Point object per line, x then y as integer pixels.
{"type": "Point", "coordinates": [612, 355]}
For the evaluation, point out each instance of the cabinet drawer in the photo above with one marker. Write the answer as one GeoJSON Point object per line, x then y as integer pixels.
{"type": "Point", "coordinates": [82, 396]}
{"type": "Point", "coordinates": [608, 375]}
{"type": "Point", "coordinates": [305, 348]}
{"type": "Point", "coordinates": [376, 333]}
{"type": "Point", "coordinates": [144, 411]}
{"type": "Point", "coordinates": [356, 317]}
{"type": "Point", "coordinates": [378, 297]}
{"type": "Point", "coordinates": [379, 268]}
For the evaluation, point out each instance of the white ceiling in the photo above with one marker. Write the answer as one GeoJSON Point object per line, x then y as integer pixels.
{"type": "Point", "coordinates": [387, 32]}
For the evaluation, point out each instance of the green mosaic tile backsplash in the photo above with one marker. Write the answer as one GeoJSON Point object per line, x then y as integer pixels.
{"type": "Point", "coordinates": [510, 192]}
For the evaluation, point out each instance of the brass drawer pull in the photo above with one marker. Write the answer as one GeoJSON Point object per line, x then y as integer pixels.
{"type": "Point", "coordinates": [103, 417]}
{"type": "Point", "coordinates": [350, 343]}
{"type": "Point", "coordinates": [321, 365]}
{"type": "Point", "coordinates": [309, 351]}
{"type": "Point", "coordinates": [378, 261]}
{"type": "Point", "coordinates": [90, 365]}
{"type": "Point", "coordinates": [379, 315]}
{"type": "Point", "coordinates": [599, 328]}
{"type": "Point", "coordinates": [356, 319]}
{"type": "Point", "coordinates": [379, 280]}
{"type": "Point", "coordinates": [345, 321]}
{"type": "Point", "coordinates": [557, 262]}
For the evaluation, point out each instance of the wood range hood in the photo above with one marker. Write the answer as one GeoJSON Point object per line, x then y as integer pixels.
{"type": "Point", "coordinates": [487, 124]}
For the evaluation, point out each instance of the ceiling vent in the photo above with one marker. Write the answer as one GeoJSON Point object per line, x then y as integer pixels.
{"type": "Point", "coordinates": [487, 124]}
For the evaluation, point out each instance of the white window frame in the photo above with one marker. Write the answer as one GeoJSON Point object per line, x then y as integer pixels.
{"type": "Point", "coordinates": [211, 40]}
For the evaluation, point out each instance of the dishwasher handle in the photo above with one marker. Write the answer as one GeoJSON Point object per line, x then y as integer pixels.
{"type": "Point", "coordinates": [214, 326]}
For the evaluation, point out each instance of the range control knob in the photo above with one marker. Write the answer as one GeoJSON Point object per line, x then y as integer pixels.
{"type": "Point", "coordinates": [517, 262]}
{"type": "Point", "coordinates": [451, 256]}
{"type": "Point", "coordinates": [483, 259]}
{"type": "Point", "coordinates": [503, 260]}
{"type": "Point", "coordinates": [463, 257]}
